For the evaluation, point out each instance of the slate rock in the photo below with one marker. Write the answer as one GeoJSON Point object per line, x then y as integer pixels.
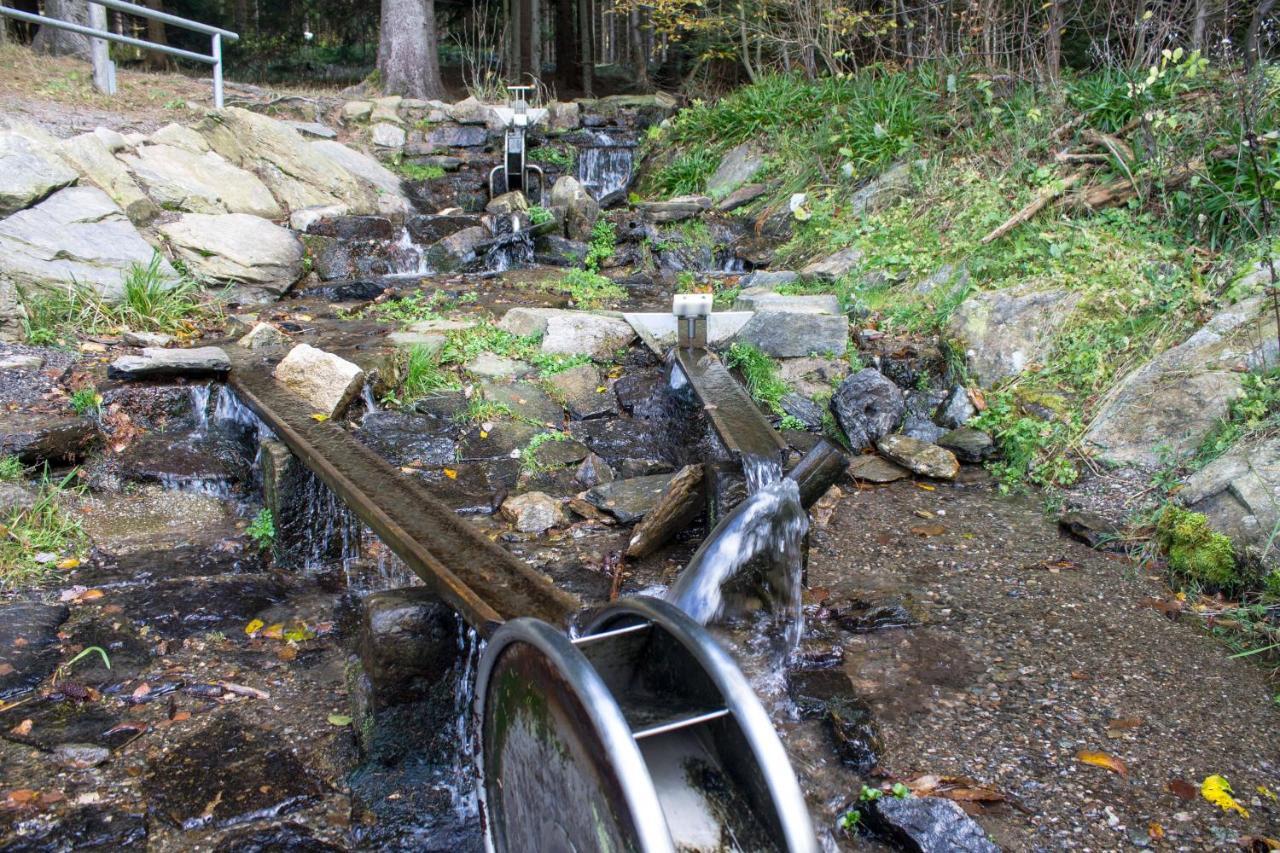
{"type": "Point", "coordinates": [1002, 332]}
{"type": "Point", "coordinates": [449, 136]}
{"type": "Point", "coordinates": [263, 336]}
{"type": "Point", "coordinates": [836, 264]}
{"type": "Point", "coordinates": [868, 407]}
{"type": "Point", "coordinates": [147, 339]}
{"type": "Point", "coordinates": [876, 469]}
{"type": "Point", "coordinates": [526, 401]}
{"type": "Point", "coordinates": [968, 444]}
{"type": "Point", "coordinates": [793, 334]}
{"type": "Point", "coordinates": [581, 389]}
{"type": "Point", "coordinates": [675, 209]}
{"type": "Point", "coordinates": [387, 135]}
{"type": "Point", "coordinates": [580, 210]}
{"type": "Point", "coordinates": [927, 825]}
{"type": "Point", "coordinates": [577, 332]}
{"type": "Point", "coordinates": [458, 249]}
{"type": "Point", "coordinates": [490, 366]}
{"type": "Point", "coordinates": [803, 409]}
{"type": "Point", "coordinates": [557, 251]}
{"type": "Point", "coordinates": [248, 251]}
{"type": "Point", "coordinates": [922, 458]}
{"type": "Point", "coordinates": [1091, 529]}
{"type": "Point", "coordinates": [956, 409]}
{"type": "Point", "coordinates": [739, 165]}
{"type": "Point", "coordinates": [403, 439]}
{"type": "Point", "coordinates": [200, 361]}
{"type": "Point", "coordinates": [629, 500]}
{"type": "Point", "coordinates": [35, 437]}
{"type": "Point", "coordinates": [740, 197]}
{"type": "Point", "coordinates": [431, 228]}
{"type": "Point", "coordinates": [28, 175]}
{"type": "Point", "coordinates": [408, 640]}
{"type": "Point", "coordinates": [354, 227]}
{"type": "Point", "coordinates": [504, 440]}
{"type": "Point", "coordinates": [179, 179]}
{"type": "Point", "coordinates": [593, 471]}
{"type": "Point", "coordinates": [20, 361]}
{"type": "Point", "coordinates": [560, 453]}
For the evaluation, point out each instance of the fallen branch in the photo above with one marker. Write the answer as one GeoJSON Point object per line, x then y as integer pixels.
{"type": "Point", "coordinates": [1122, 191]}
{"type": "Point", "coordinates": [1041, 201]}
{"type": "Point", "coordinates": [679, 505]}
{"type": "Point", "coordinates": [1118, 148]}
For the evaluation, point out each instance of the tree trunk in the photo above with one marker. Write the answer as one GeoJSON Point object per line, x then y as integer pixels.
{"type": "Point", "coordinates": [408, 61]}
{"type": "Point", "coordinates": [4, 28]}
{"type": "Point", "coordinates": [639, 55]}
{"type": "Point", "coordinates": [62, 42]}
{"type": "Point", "coordinates": [1252, 46]}
{"type": "Point", "coordinates": [1053, 42]}
{"type": "Point", "coordinates": [568, 62]}
{"type": "Point", "coordinates": [157, 61]}
{"type": "Point", "coordinates": [585, 47]}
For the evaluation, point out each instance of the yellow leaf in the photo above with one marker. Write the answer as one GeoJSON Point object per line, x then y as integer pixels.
{"type": "Point", "coordinates": [275, 632]}
{"type": "Point", "coordinates": [69, 563]}
{"type": "Point", "coordinates": [339, 720]}
{"type": "Point", "coordinates": [451, 473]}
{"type": "Point", "coordinates": [600, 389]}
{"type": "Point", "coordinates": [319, 417]}
{"type": "Point", "coordinates": [1217, 790]}
{"type": "Point", "coordinates": [1268, 793]}
{"type": "Point", "coordinates": [253, 627]}
{"type": "Point", "coordinates": [1101, 759]}
{"type": "Point", "coordinates": [299, 634]}
{"type": "Point", "coordinates": [484, 434]}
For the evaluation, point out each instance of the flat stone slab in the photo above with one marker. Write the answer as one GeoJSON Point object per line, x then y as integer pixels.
{"type": "Point", "coordinates": [768, 300]}
{"type": "Point", "coordinates": [490, 366]}
{"type": "Point", "coordinates": [585, 393]}
{"type": "Point", "coordinates": [525, 400]}
{"type": "Point", "coordinates": [629, 500]}
{"type": "Point", "coordinates": [658, 329]}
{"type": "Point", "coordinates": [431, 343]}
{"type": "Point", "coordinates": [154, 361]}
{"type": "Point", "coordinates": [876, 469]}
{"type": "Point", "coordinates": [790, 334]}
{"type": "Point", "coordinates": [921, 457]}
{"type": "Point", "coordinates": [675, 209]}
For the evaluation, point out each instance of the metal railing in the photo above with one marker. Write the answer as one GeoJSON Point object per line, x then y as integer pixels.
{"type": "Point", "coordinates": [104, 74]}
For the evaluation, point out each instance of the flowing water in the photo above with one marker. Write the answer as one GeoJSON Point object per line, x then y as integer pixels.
{"type": "Point", "coordinates": [605, 166]}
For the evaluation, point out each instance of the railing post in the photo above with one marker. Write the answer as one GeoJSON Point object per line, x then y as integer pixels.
{"type": "Point", "coordinates": [104, 70]}
{"type": "Point", "coordinates": [217, 71]}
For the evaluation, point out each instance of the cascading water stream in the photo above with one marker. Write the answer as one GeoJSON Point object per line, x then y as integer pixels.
{"type": "Point", "coordinates": [604, 168]}
{"type": "Point", "coordinates": [464, 793]}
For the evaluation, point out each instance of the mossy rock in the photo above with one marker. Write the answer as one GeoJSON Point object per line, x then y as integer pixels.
{"type": "Point", "coordinates": [1195, 550]}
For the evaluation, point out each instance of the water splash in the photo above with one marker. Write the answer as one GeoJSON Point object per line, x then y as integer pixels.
{"type": "Point", "coordinates": [366, 396]}
{"type": "Point", "coordinates": [511, 246]}
{"type": "Point", "coordinates": [229, 410]}
{"type": "Point", "coordinates": [464, 791]}
{"type": "Point", "coordinates": [604, 168]}
{"type": "Point", "coordinates": [200, 407]}
{"type": "Point", "coordinates": [770, 524]}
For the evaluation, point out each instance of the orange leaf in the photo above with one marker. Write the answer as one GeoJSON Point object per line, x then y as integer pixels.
{"type": "Point", "coordinates": [1101, 759]}
{"type": "Point", "coordinates": [22, 729]}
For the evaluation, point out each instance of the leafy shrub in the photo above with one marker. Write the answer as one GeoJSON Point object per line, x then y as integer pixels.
{"type": "Point", "coordinates": [604, 238]}
{"type": "Point", "coordinates": [262, 530]}
{"type": "Point", "coordinates": [588, 289]}
{"type": "Point", "coordinates": [1195, 551]}
{"type": "Point", "coordinates": [539, 215]}
{"type": "Point", "coordinates": [419, 172]}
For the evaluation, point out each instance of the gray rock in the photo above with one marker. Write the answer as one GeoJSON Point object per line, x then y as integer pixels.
{"type": "Point", "coordinates": [813, 377]}
{"type": "Point", "coordinates": [1091, 529]}
{"type": "Point", "coordinates": [237, 248]}
{"type": "Point", "coordinates": [739, 165]}
{"type": "Point", "coordinates": [177, 135]}
{"type": "Point", "coordinates": [768, 280]}
{"type": "Point", "coordinates": [77, 234]}
{"type": "Point", "coordinates": [456, 250]}
{"type": "Point", "coordinates": [564, 115]}
{"type": "Point", "coordinates": [507, 204]}
{"type": "Point", "coordinates": [527, 401]}
{"type": "Point", "coordinates": [593, 471]}
{"type": "Point", "coordinates": [928, 825]}
{"type": "Point", "coordinates": [1239, 493]}
{"type": "Point", "coordinates": [295, 171]}
{"type": "Point", "coordinates": [675, 209]}
{"type": "Point", "coordinates": [556, 251]}
{"type": "Point", "coordinates": [885, 190]}
{"type": "Point", "coordinates": [1174, 400]}
{"type": "Point", "coordinates": [835, 265]}
{"type": "Point", "coordinates": [1003, 331]}
{"type": "Point", "coordinates": [408, 641]}
{"type": "Point", "coordinates": [948, 277]}
{"type": "Point", "coordinates": [443, 138]}
{"type": "Point", "coordinates": [344, 227]}
{"type": "Point", "coordinates": [868, 406]}
{"type": "Point", "coordinates": [920, 457]}
{"type": "Point", "coordinates": [956, 410]}
{"type": "Point", "coordinates": [386, 109]}
{"type": "Point", "coordinates": [585, 394]}
{"type": "Point", "coordinates": [355, 111]}
{"type": "Point", "coordinates": [314, 129]}
{"type": "Point", "coordinates": [763, 299]}
{"type": "Point", "coordinates": [470, 111]}
{"type": "Point", "coordinates": [659, 332]}
{"type": "Point", "coordinates": [876, 469]}
{"type": "Point", "coordinates": [263, 336]}
{"type": "Point", "coordinates": [429, 341]}
{"type": "Point", "coordinates": [177, 179]}
{"type": "Point", "coordinates": [385, 183]}
{"type": "Point", "coordinates": [581, 210]}
{"type": "Point", "coordinates": [96, 162]}
{"type": "Point", "coordinates": [968, 444]}
{"type": "Point", "coordinates": [790, 334]}
{"type": "Point", "coordinates": [35, 437]}
{"type": "Point", "coordinates": [387, 135]}
{"type": "Point", "coordinates": [325, 382]}
{"type": "Point", "coordinates": [433, 228]}
{"type": "Point", "coordinates": [170, 362]}
{"type": "Point", "coordinates": [490, 366]}
{"type": "Point", "coordinates": [28, 175]}
{"type": "Point", "coordinates": [526, 322]}
{"type": "Point", "coordinates": [80, 756]}
{"type": "Point", "coordinates": [576, 332]}
{"type": "Point", "coordinates": [12, 314]}
{"type": "Point", "coordinates": [629, 500]}
{"type": "Point", "coordinates": [28, 644]}
{"type": "Point", "coordinates": [147, 339]}
{"type": "Point", "coordinates": [534, 512]}
{"type": "Point", "coordinates": [15, 497]}
{"type": "Point", "coordinates": [19, 361]}
{"type": "Point", "coordinates": [741, 197]}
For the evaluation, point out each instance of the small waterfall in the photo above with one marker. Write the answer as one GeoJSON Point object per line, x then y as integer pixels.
{"type": "Point", "coordinates": [327, 523]}
{"type": "Point", "coordinates": [200, 407]}
{"type": "Point", "coordinates": [406, 257]}
{"type": "Point", "coordinates": [229, 410]}
{"type": "Point", "coordinates": [509, 250]}
{"type": "Point", "coordinates": [366, 396]}
{"type": "Point", "coordinates": [464, 792]}
{"type": "Point", "coordinates": [605, 166]}
{"type": "Point", "coordinates": [771, 524]}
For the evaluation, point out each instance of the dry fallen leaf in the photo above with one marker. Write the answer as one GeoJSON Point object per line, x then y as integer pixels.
{"type": "Point", "coordinates": [924, 531]}
{"type": "Point", "coordinates": [1103, 760]}
{"type": "Point", "coordinates": [253, 627]}
{"type": "Point", "coordinates": [274, 632]}
{"type": "Point", "coordinates": [22, 729]}
{"type": "Point", "coordinates": [1155, 831]}
{"type": "Point", "coordinates": [1217, 790]}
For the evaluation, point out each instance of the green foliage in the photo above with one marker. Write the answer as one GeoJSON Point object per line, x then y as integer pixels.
{"type": "Point", "coordinates": [151, 301]}
{"type": "Point", "coordinates": [412, 308]}
{"type": "Point", "coordinates": [550, 363]}
{"type": "Point", "coordinates": [1195, 551]}
{"type": "Point", "coordinates": [539, 215]}
{"type": "Point", "coordinates": [423, 374]}
{"type": "Point", "coordinates": [480, 411]}
{"type": "Point", "coordinates": [588, 289]}
{"type": "Point", "coordinates": [601, 246]}
{"type": "Point", "coordinates": [11, 469]}
{"type": "Point", "coordinates": [687, 174]}
{"type": "Point", "coordinates": [36, 538]}
{"type": "Point", "coordinates": [561, 156]}
{"type": "Point", "coordinates": [1030, 448]}
{"type": "Point", "coordinates": [529, 455]}
{"type": "Point", "coordinates": [463, 345]}
{"type": "Point", "coordinates": [759, 373]}
{"type": "Point", "coordinates": [86, 401]}
{"type": "Point", "coordinates": [1254, 413]}
{"type": "Point", "coordinates": [419, 172]}
{"type": "Point", "coordinates": [64, 669]}
{"type": "Point", "coordinates": [791, 422]}
{"type": "Point", "coordinates": [262, 530]}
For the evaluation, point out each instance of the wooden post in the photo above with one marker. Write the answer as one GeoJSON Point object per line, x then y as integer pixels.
{"type": "Point", "coordinates": [104, 70]}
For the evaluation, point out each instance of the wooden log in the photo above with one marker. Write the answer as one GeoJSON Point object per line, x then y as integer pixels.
{"type": "Point", "coordinates": [679, 506]}
{"type": "Point", "coordinates": [1041, 201]}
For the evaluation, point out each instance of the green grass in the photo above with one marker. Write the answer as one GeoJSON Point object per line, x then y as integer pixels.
{"type": "Point", "coordinates": [409, 309]}
{"type": "Point", "coordinates": [549, 364]}
{"type": "Point", "coordinates": [37, 539]}
{"type": "Point", "coordinates": [587, 289]}
{"type": "Point", "coordinates": [152, 301]}
{"type": "Point", "coordinates": [11, 469]}
{"type": "Point", "coordinates": [562, 156]}
{"type": "Point", "coordinates": [418, 172]}
{"type": "Point", "coordinates": [416, 373]}
{"type": "Point", "coordinates": [479, 411]}
{"type": "Point", "coordinates": [759, 373]}
{"type": "Point", "coordinates": [529, 455]}
{"type": "Point", "coordinates": [86, 401]}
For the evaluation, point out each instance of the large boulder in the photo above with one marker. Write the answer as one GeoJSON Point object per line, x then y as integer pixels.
{"type": "Point", "coordinates": [179, 136]}
{"type": "Point", "coordinates": [237, 248]}
{"type": "Point", "coordinates": [1001, 332]}
{"type": "Point", "coordinates": [77, 234]}
{"type": "Point", "coordinates": [793, 334]}
{"type": "Point", "coordinates": [1239, 493]}
{"type": "Point", "coordinates": [1176, 398]}
{"type": "Point", "coordinates": [574, 332]}
{"type": "Point", "coordinates": [28, 174]}
{"type": "Point", "coordinates": [836, 264]}
{"type": "Point", "coordinates": [177, 179]}
{"type": "Point", "coordinates": [458, 249]}
{"type": "Point", "coordinates": [738, 166]}
{"type": "Point", "coordinates": [868, 407]}
{"type": "Point", "coordinates": [385, 182]}
{"type": "Point", "coordinates": [296, 173]}
{"type": "Point", "coordinates": [580, 210]}
{"type": "Point", "coordinates": [884, 190]}
{"type": "Point", "coordinates": [324, 381]}
{"type": "Point", "coordinates": [96, 162]}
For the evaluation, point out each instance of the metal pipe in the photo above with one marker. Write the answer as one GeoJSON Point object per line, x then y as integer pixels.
{"type": "Point", "coordinates": [217, 70]}
{"type": "Point", "coordinates": [103, 34]}
{"type": "Point", "coordinates": [184, 23]}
